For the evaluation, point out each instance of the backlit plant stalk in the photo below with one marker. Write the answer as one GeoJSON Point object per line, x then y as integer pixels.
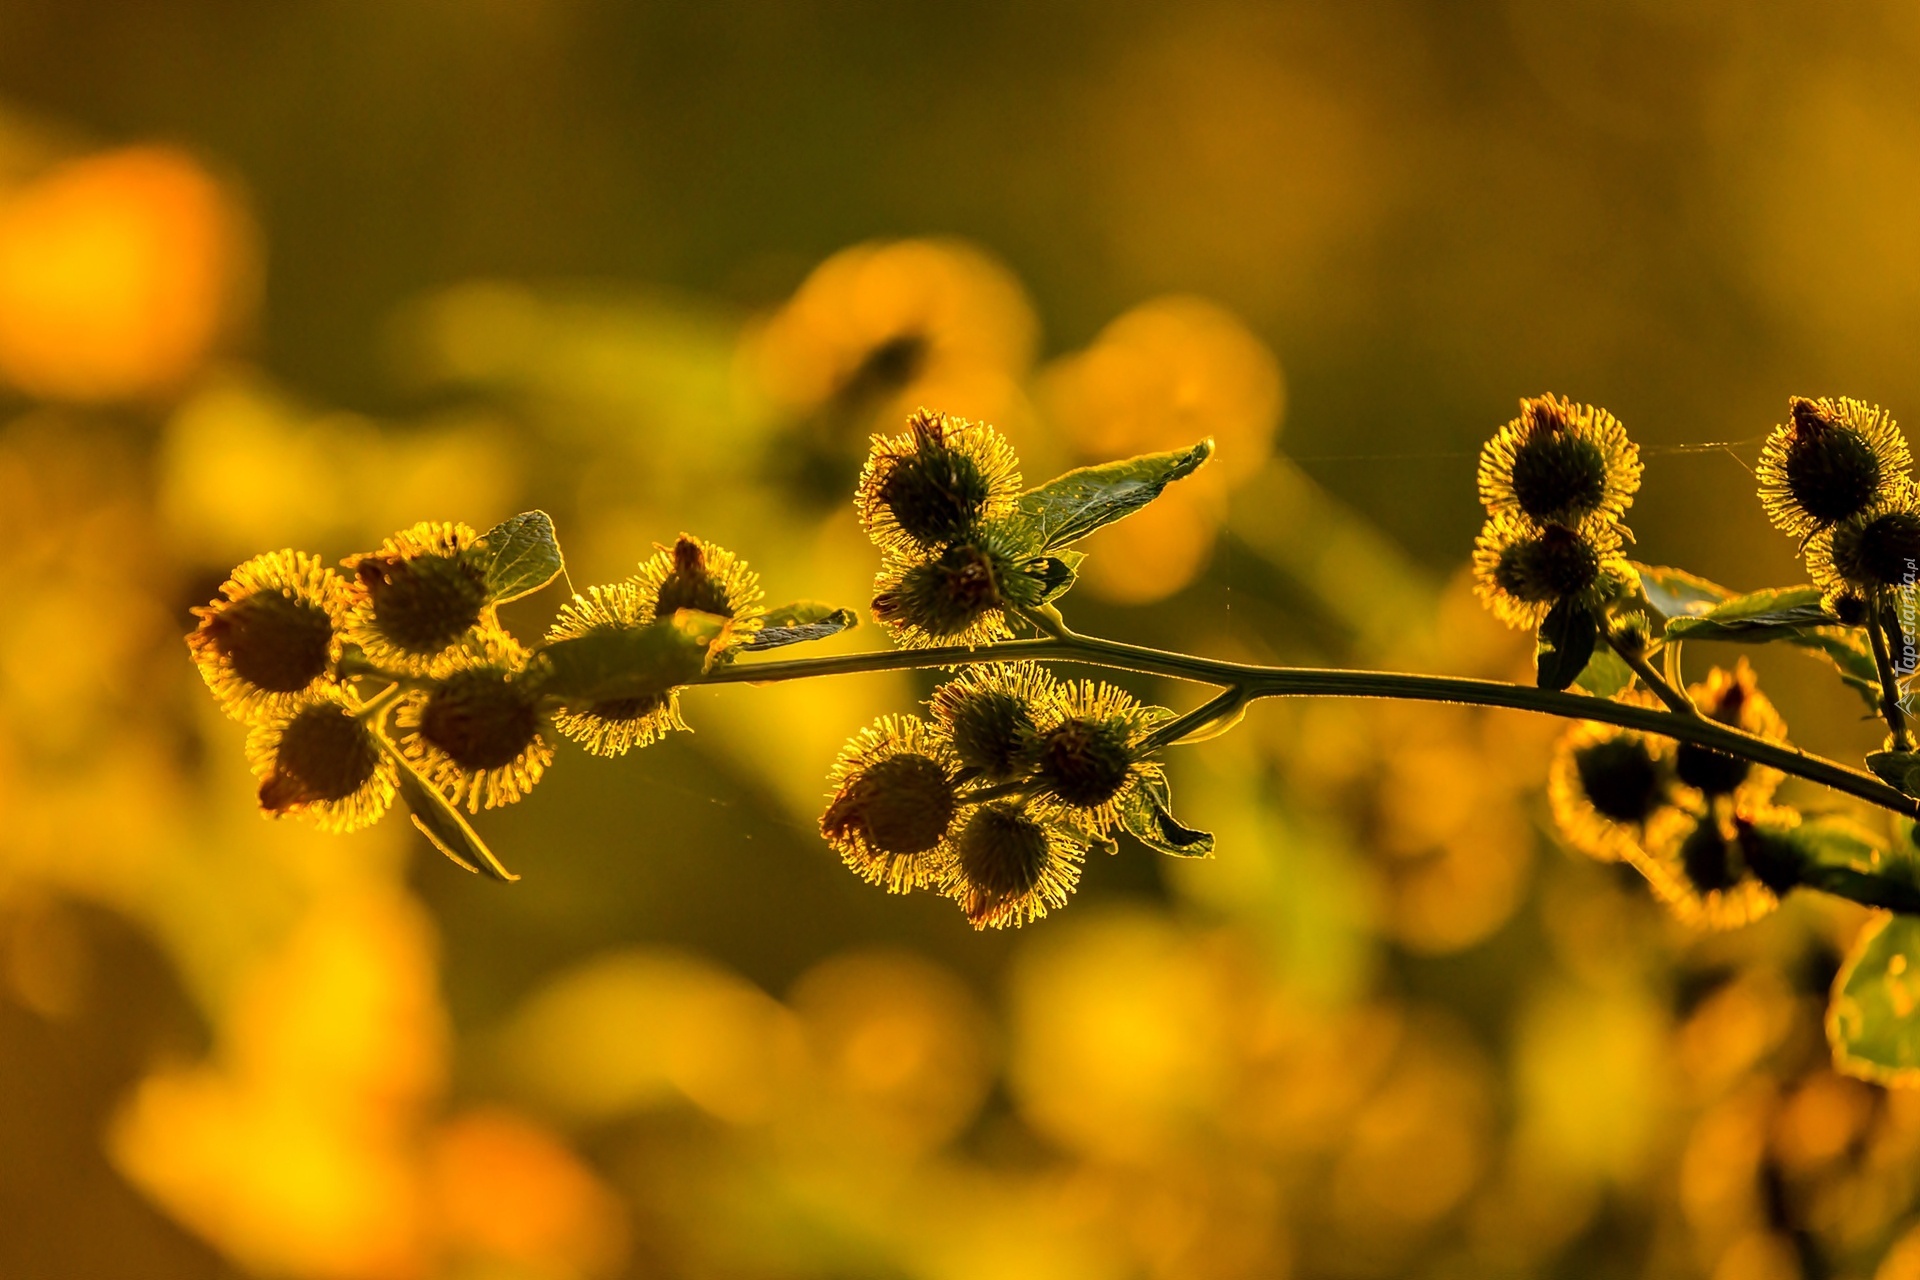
{"type": "Point", "coordinates": [396, 679]}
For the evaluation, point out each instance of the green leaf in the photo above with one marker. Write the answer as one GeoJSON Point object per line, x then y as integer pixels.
{"type": "Point", "coordinates": [1069, 507]}
{"type": "Point", "coordinates": [1605, 674]}
{"type": "Point", "coordinates": [1873, 1019]}
{"type": "Point", "coordinates": [442, 824]}
{"type": "Point", "coordinates": [1148, 818]}
{"type": "Point", "coordinates": [1567, 637]}
{"type": "Point", "coordinates": [799, 613]}
{"type": "Point", "coordinates": [1675, 593]}
{"type": "Point", "coordinates": [1056, 574]}
{"type": "Point", "coordinates": [522, 556]}
{"type": "Point", "coordinates": [799, 623]}
{"type": "Point", "coordinates": [1898, 769]}
{"type": "Point", "coordinates": [1755, 617]}
{"type": "Point", "coordinates": [1791, 616]}
{"type": "Point", "coordinates": [613, 663]}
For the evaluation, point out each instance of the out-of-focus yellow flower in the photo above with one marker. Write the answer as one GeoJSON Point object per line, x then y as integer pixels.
{"type": "Point", "coordinates": [1593, 1079]}
{"type": "Point", "coordinates": [634, 1030]}
{"type": "Point", "coordinates": [1608, 785]}
{"type": "Point", "coordinates": [293, 1152]}
{"type": "Point", "coordinates": [1161, 376]}
{"type": "Point", "coordinates": [119, 273]}
{"type": "Point", "coordinates": [884, 326]}
{"type": "Point", "coordinates": [1418, 1144]}
{"type": "Point", "coordinates": [1733, 698]}
{"type": "Point", "coordinates": [899, 1049]}
{"type": "Point", "coordinates": [1696, 868]}
{"type": "Point", "coordinates": [1122, 1035]}
{"type": "Point", "coordinates": [243, 465]}
{"type": "Point", "coordinates": [503, 1189]}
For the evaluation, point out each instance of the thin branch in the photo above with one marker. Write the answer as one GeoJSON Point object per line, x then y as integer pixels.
{"type": "Point", "coordinates": [1889, 686]}
{"type": "Point", "coordinates": [1278, 682]}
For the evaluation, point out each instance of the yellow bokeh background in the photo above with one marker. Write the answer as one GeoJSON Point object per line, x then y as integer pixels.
{"type": "Point", "coordinates": [301, 276]}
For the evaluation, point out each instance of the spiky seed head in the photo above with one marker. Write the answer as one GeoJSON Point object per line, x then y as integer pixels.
{"type": "Point", "coordinates": [902, 805]}
{"type": "Point", "coordinates": [325, 753]}
{"type": "Point", "coordinates": [480, 718]}
{"type": "Point", "coordinates": [480, 733]}
{"type": "Point", "coordinates": [424, 593]}
{"type": "Point", "coordinates": [1556, 564]}
{"type": "Point", "coordinates": [1521, 569]}
{"type": "Point", "coordinates": [1002, 852]}
{"type": "Point", "coordinates": [322, 762]}
{"type": "Point", "coordinates": [271, 635]}
{"type": "Point", "coordinates": [989, 713]}
{"type": "Point", "coordinates": [935, 493]}
{"type": "Point", "coordinates": [274, 641]}
{"type": "Point", "coordinates": [937, 484]}
{"type": "Point", "coordinates": [1559, 462]}
{"type": "Point", "coordinates": [1085, 762]}
{"type": "Point", "coordinates": [953, 598]}
{"type": "Point", "coordinates": [1870, 551]}
{"type": "Point", "coordinates": [1830, 460]}
{"type": "Point", "coordinates": [1012, 867]}
{"type": "Point", "coordinates": [1847, 605]}
{"type": "Point", "coordinates": [1621, 777]}
{"type": "Point", "coordinates": [892, 802]}
{"type": "Point", "coordinates": [1708, 860]}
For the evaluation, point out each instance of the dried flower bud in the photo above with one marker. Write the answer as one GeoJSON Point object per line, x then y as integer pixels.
{"type": "Point", "coordinates": [954, 598]}
{"type": "Point", "coordinates": [425, 593]}
{"type": "Point", "coordinates": [937, 484]}
{"type": "Point", "coordinates": [990, 715]}
{"type": "Point", "coordinates": [480, 734]}
{"type": "Point", "coordinates": [1831, 459]}
{"type": "Point", "coordinates": [695, 574]}
{"type": "Point", "coordinates": [1012, 868]}
{"type": "Point", "coordinates": [322, 762]}
{"type": "Point", "coordinates": [271, 635]}
{"type": "Point", "coordinates": [1521, 570]}
{"type": "Point", "coordinates": [1561, 463]}
{"type": "Point", "coordinates": [893, 802]}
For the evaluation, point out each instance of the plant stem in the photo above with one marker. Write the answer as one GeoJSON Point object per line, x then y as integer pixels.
{"type": "Point", "coordinates": [1278, 682]}
{"type": "Point", "coordinates": [1889, 687]}
{"type": "Point", "coordinates": [1677, 702]}
{"type": "Point", "coordinates": [1174, 732]}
